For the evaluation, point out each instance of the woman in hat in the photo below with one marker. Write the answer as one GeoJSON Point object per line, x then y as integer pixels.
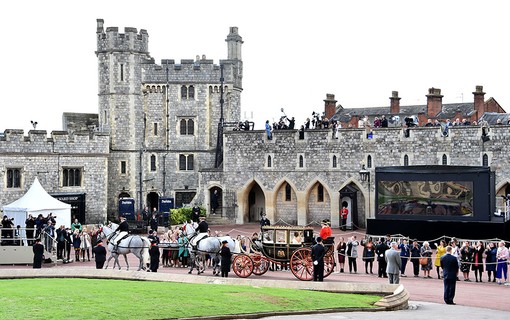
{"type": "Point", "coordinates": [325, 229]}
{"type": "Point", "coordinates": [226, 257]}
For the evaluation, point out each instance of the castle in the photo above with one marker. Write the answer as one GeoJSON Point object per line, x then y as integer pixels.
{"type": "Point", "coordinates": [157, 136]}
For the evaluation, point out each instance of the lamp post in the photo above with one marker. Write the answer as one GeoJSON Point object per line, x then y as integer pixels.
{"type": "Point", "coordinates": [364, 175]}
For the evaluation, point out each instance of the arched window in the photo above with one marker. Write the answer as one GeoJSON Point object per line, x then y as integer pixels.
{"type": "Point", "coordinates": [269, 162]}
{"type": "Point", "coordinates": [191, 127]}
{"type": "Point", "coordinates": [288, 192]}
{"type": "Point", "coordinates": [184, 92]}
{"type": "Point", "coordinates": [334, 162]}
{"type": "Point", "coordinates": [406, 160]}
{"type": "Point", "coordinates": [153, 163]}
{"type": "Point", "coordinates": [369, 161]}
{"type": "Point", "coordinates": [13, 178]}
{"type": "Point", "coordinates": [210, 89]}
{"type": "Point", "coordinates": [301, 161]}
{"type": "Point", "coordinates": [182, 162]}
{"type": "Point", "coordinates": [444, 160]}
{"type": "Point", "coordinates": [191, 92]}
{"type": "Point", "coordinates": [485, 160]}
{"type": "Point", "coordinates": [183, 126]}
{"type": "Point", "coordinates": [320, 193]}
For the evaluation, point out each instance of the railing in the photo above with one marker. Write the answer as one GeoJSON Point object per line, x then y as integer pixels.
{"type": "Point", "coordinates": [24, 237]}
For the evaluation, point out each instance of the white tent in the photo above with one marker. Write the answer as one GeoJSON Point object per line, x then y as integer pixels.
{"type": "Point", "coordinates": [37, 201]}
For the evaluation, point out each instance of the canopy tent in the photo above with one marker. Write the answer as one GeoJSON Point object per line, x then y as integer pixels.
{"type": "Point", "coordinates": [37, 201]}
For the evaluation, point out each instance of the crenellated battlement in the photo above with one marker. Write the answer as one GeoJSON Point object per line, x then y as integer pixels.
{"type": "Point", "coordinates": [188, 70]}
{"type": "Point", "coordinates": [113, 41]}
{"type": "Point", "coordinates": [37, 141]}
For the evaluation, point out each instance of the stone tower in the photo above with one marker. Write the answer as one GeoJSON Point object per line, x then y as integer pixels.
{"type": "Point", "coordinates": [162, 118]}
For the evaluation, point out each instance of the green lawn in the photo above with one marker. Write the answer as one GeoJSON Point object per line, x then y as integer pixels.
{"type": "Point", "coordinates": [104, 299]}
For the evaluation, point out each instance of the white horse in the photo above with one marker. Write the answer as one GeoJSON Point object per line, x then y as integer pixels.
{"type": "Point", "coordinates": [206, 246]}
{"type": "Point", "coordinates": [137, 245]}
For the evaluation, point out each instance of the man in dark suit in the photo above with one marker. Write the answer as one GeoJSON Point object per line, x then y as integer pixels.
{"type": "Point", "coordinates": [100, 253]}
{"type": "Point", "coordinates": [38, 250]}
{"type": "Point", "coordinates": [318, 253]}
{"type": "Point", "coordinates": [450, 266]}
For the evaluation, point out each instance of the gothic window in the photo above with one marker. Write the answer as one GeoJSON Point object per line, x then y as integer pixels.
{"type": "Point", "coordinates": [121, 72]}
{"type": "Point", "coordinates": [71, 177]}
{"type": "Point", "coordinates": [320, 193]}
{"type": "Point", "coordinates": [123, 167]}
{"type": "Point", "coordinates": [485, 160]}
{"type": "Point", "coordinates": [269, 162]}
{"type": "Point", "coordinates": [288, 192]}
{"type": "Point", "coordinates": [153, 162]}
{"type": "Point", "coordinates": [369, 161]}
{"type": "Point", "coordinates": [13, 178]}
{"type": "Point", "coordinates": [334, 162]}
{"type": "Point", "coordinates": [210, 89]}
{"type": "Point", "coordinates": [105, 121]}
{"type": "Point", "coordinates": [444, 160]}
{"type": "Point", "coordinates": [184, 92]}
{"type": "Point", "coordinates": [191, 92]}
{"type": "Point", "coordinates": [301, 161]}
{"type": "Point", "coordinates": [187, 127]}
{"type": "Point", "coordinates": [186, 162]}
{"type": "Point", "coordinates": [406, 160]}
{"type": "Point", "coordinates": [155, 128]}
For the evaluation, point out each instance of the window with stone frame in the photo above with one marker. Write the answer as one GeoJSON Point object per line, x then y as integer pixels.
{"type": "Point", "coordinates": [444, 160]}
{"type": "Point", "coordinates": [335, 162]}
{"type": "Point", "coordinates": [184, 93]}
{"type": "Point", "coordinates": [369, 161]}
{"type": "Point", "coordinates": [71, 177]}
{"type": "Point", "coordinates": [186, 162]}
{"type": "Point", "coordinates": [13, 178]}
{"type": "Point", "coordinates": [187, 127]}
{"type": "Point", "coordinates": [485, 160]}
{"type": "Point", "coordinates": [153, 162]}
{"type": "Point", "coordinates": [191, 92]}
{"type": "Point", "coordinates": [320, 193]}
{"type": "Point", "coordinates": [155, 128]}
{"type": "Point", "coordinates": [123, 167]}
{"type": "Point", "coordinates": [406, 160]}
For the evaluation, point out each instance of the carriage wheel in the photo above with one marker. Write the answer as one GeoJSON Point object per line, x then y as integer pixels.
{"type": "Point", "coordinates": [243, 265]}
{"type": "Point", "coordinates": [329, 264]}
{"type": "Point", "coordinates": [301, 264]}
{"type": "Point", "coordinates": [260, 264]}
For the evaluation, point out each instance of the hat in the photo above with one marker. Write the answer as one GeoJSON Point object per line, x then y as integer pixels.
{"type": "Point", "coordinates": [319, 239]}
{"type": "Point", "coordinates": [224, 241]}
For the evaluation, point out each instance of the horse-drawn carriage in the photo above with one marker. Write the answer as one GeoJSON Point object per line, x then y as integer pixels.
{"type": "Point", "coordinates": [284, 246]}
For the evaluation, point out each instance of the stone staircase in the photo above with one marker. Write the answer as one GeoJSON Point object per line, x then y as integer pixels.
{"type": "Point", "coordinates": [216, 219]}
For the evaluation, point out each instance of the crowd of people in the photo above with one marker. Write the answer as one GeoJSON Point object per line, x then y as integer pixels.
{"type": "Point", "coordinates": [473, 258]}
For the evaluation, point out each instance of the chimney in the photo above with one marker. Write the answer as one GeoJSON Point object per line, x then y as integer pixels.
{"type": "Point", "coordinates": [434, 102]}
{"type": "Point", "coordinates": [478, 97]}
{"type": "Point", "coordinates": [330, 105]}
{"type": "Point", "coordinates": [394, 103]}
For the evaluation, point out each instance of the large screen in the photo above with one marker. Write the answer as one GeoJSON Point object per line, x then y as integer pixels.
{"type": "Point", "coordinates": [437, 198]}
{"type": "Point", "coordinates": [434, 193]}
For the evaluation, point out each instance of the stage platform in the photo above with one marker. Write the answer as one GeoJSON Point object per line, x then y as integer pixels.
{"type": "Point", "coordinates": [432, 229]}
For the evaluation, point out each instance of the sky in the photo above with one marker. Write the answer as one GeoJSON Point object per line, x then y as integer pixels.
{"type": "Point", "coordinates": [294, 52]}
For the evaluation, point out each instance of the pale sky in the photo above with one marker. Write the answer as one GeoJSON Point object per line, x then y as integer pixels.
{"type": "Point", "coordinates": [294, 52]}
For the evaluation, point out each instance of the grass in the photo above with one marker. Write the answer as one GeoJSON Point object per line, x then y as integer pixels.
{"type": "Point", "coordinates": [103, 299]}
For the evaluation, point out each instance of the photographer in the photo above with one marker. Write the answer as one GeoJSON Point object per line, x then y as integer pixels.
{"type": "Point", "coordinates": [29, 228]}
{"type": "Point", "coordinates": [7, 226]}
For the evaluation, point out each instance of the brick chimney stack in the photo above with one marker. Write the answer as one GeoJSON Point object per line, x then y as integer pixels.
{"type": "Point", "coordinates": [434, 102]}
{"type": "Point", "coordinates": [394, 103]}
{"type": "Point", "coordinates": [330, 105]}
{"type": "Point", "coordinates": [479, 101]}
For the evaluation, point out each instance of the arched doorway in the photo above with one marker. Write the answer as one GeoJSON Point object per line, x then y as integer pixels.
{"type": "Point", "coordinates": [153, 201]}
{"type": "Point", "coordinates": [215, 200]}
{"type": "Point", "coordinates": [256, 203]}
{"type": "Point", "coordinates": [501, 202]}
{"type": "Point", "coordinates": [352, 198]}
{"type": "Point", "coordinates": [124, 195]}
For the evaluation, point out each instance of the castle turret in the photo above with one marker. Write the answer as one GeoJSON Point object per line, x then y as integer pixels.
{"type": "Point", "coordinates": [235, 42]}
{"type": "Point", "coordinates": [120, 57]}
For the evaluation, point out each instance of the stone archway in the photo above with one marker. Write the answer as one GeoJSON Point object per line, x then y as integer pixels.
{"type": "Point", "coordinates": [256, 203]}
{"type": "Point", "coordinates": [286, 204]}
{"type": "Point", "coordinates": [318, 203]}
